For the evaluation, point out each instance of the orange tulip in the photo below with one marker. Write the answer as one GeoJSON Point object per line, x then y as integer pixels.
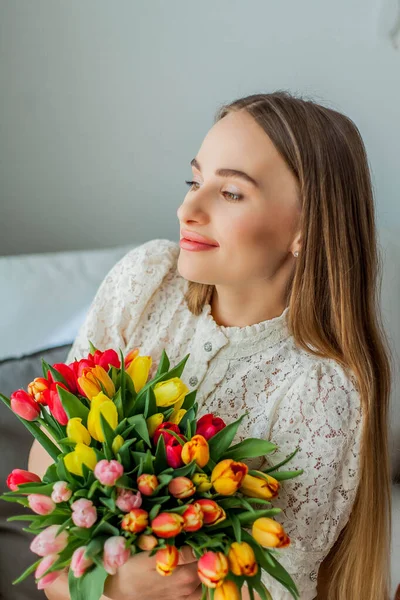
{"type": "Point", "coordinates": [212, 568]}
{"type": "Point", "coordinates": [146, 542]}
{"type": "Point", "coordinates": [227, 591]}
{"type": "Point", "coordinates": [193, 518]}
{"type": "Point", "coordinates": [93, 378]}
{"type": "Point", "coordinates": [242, 560]}
{"type": "Point", "coordinates": [181, 487]}
{"type": "Point", "coordinates": [212, 512]}
{"type": "Point", "coordinates": [227, 476]}
{"type": "Point", "coordinates": [166, 560]}
{"type": "Point", "coordinates": [36, 389]}
{"type": "Point", "coordinates": [196, 449]}
{"type": "Point", "coordinates": [167, 525]}
{"type": "Point", "coordinates": [147, 484]}
{"type": "Point", "coordinates": [131, 356]}
{"type": "Point", "coordinates": [135, 521]}
{"type": "Point", "coordinates": [269, 533]}
{"type": "Point", "coordinates": [264, 487]}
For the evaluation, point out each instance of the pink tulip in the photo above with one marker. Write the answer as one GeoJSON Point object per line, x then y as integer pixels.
{"type": "Point", "coordinates": [24, 405]}
{"type": "Point", "coordinates": [115, 553]}
{"type": "Point", "coordinates": [48, 542]}
{"type": "Point", "coordinates": [108, 471]}
{"type": "Point", "coordinates": [42, 567]}
{"type": "Point", "coordinates": [41, 504]}
{"type": "Point", "coordinates": [18, 476]}
{"type": "Point", "coordinates": [79, 562]}
{"type": "Point", "coordinates": [84, 513]}
{"type": "Point", "coordinates": [61, 492]}
{"type": "Point", "coordinates": [127, 500]}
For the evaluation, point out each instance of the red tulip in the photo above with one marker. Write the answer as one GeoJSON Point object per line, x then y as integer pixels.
{"type": "Point", "coordinates": [78, 368]}
{"type": "Point", "coordinates": [173, 450]}
{"type": "Point", "coordinates": [208, 425]}
{"type": "Point", "coordinates": [167, 436]}
{"type": "Point", "coordinates": [106, 359]}
{"type": "Point", "coordinates": [54, 403]}
{"type": "Point", "coordinates": [68, 374]}
{"type": "Point", "coordinates": [24, 406]}
{"type": "Point", "coordinates": [18, 476]}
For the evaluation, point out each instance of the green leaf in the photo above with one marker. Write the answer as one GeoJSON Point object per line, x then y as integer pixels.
{"type": "Point", "coordinates": [62, 471]}
{"type": "Point", "coordinates": [37, 433]}
{"type": "Point", "coordinates": [105, 528]}
{"type": "Point", "coordinates": [72, 405]}
{"type": "Point", "coordinates": [189, 400]}
{"type": "Point", "coordinates": [221, 441]}
{"type": "Point", "coordinates": [282, 475]}
{"type": "Point", "coordinates": [186, 471]}
{"type": "Point", "coordinates": [150, 403]}
{"type": "Point", "coordinates": [109, 502]}
{"type": "Point", "coordinates": [51, 474]}
{"type": "Point", "coordinates": [140, 427]}
{"type": "Point", "coordinates": [90, 586]}
{"type": "Point", "coordinates": [283, 462]}
{"type": "Point", "coordinates": [55, 374]}
{"type": "Point", "coordinates": [188, 416]}
{"type": "Point", "coordinates": [163, 365]}
{"type": "Point", "coordinates": [95, 546]}
{"type": "Point", "coordinates": [236, 527]}
{"type": "Point", "coordinates": [28, 571]}
{"type": "Point", "coordinates": [108, 431]}
{"type": "Point", "coordinates": [154, 512]}
{"type": "Point", "coordinates": [160, 456]}
{"type": "Point", "coordinates": [249, 448]}
{"type": "Point", "coordinates": [36, 488]}
{"type": "Point", "coordinates": [93, 348]}
{"type": "Point", "coordinates": [119, 405]}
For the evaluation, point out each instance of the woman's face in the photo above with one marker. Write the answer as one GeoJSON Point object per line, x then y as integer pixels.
{"type": "Point", "coordinates": [255, 224]}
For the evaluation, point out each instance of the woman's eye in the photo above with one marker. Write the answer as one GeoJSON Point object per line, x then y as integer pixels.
{"type": "Point", "coordinates": [232, 197]}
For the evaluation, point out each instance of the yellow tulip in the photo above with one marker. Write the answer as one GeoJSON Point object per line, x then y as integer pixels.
{"type": "Point", "coordinates": [101, 404]}
{"type": "Point", "coordinates": [177, 416]}
{"type": "Point", "coordinates": [118, 442]}
{"type": "Point", "coordinates": [91, 380]}
{"type": "Point", "coordinates": [138, 371]}
{"type": "Point", "coordinates": [264, 487]}
{"type": "Point", "coordinates": [202, 482]}
{"type": "Point", "coordinates": [242, 560]}
{"type": "Point", "coordinates": [196, 449]}
{"type": "Point", "coordinates": [153, 422]}
{"type": "Point", "coordinates": [227, 591]}
{"type": "Point", "coordinates": [227, 476]}
{"type": "Point", "coordinates": [78, 432]}
{"type": "Point", "coordinates": [269, 533]}
{"type": "Point", "coordinates": [171, 393]}
{"type": "Point", "coordinates": [82, 454]}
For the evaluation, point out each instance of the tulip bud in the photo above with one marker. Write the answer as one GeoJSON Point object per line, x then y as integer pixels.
{"type": "Point", "coordinates": [77, 432]}
{"type": "Point", "coordinates": [227, 476]}
{"type": "Point", "coordinates": [181, 487]}
{"type": "Point", "coordinates": [37, 389]}
{"type": "Point", "coordinates": [212, 512]}
{"type": "Point", "coordinates": [101, 405]}
{"type": "Point", "coordinates": [46, 580]}
{"type": "Point", "coordinates": [193, 518]}
{"type": "Point", "coordinates": [61, 492]}
{"type": "Point", "coordinates": [48, 542]}
{"type": "Point", "coordinates": [94, 380]}
{"type": "Point", "coordinates": [24, 406]}
{"type": "Point", "coordinates": [196, 449]}
{"type": "Point", "coordinates": [147, 484]}
{"type": "Point", "coordinates": [166, 525]}
{"type": "Point", "coordinates": [264, 487]}
{"type": "Point", "coordinates": [177, 416]}
{"type": "Point", "coordinates": [84, 513]}
{"type": "Point", "coordinates": [81, 455]}
{"type": "Point", "coordinates": [202, 482]}
{"type": "Point", "coordinates": [173, 450]}
{"type": "Point", "coordinates": [41, 504]}
{"type": "Point", "coordinates": [167, 436]}
{"type": "Point", "coordinates": [212, 568]}
{"type": "Point", "coordinates": [79, 562]}
{"type": "Point", "coordinates": [127, 499]}
{"type": "Point", "coordinates": [146, 542]}
{"type": "Point", "coordinates": [131, 356]}
{"type": "Point", "coordinates": [269, 533]}
{"type": "Point", "coordinates": [171, 392]}
{"type": "Point", "coordinates": [138, 371]}
{"type": "Point", "coordinates": [18, 476]}
{"type": "Point", "coordinates": [208, 426]}
{"type": "Point", "coordinates": [166, 560]}
{"type": "Point", "coordinates": [242, 560]}
{"type": "Point", "coordinates": [108, 358]}
{"type": "Point", "coordinates": [227, 591]}
{"type": "Point", "coordinates": [108, 471]}
{"type": "Point", "coordinates": [153, 423]}
{"type": "Point", "coordinates": [117, 444]}
{"type": "Point", "coordinates": [115, 553]}
{"type": "Point", "coordinates": [135, 520]}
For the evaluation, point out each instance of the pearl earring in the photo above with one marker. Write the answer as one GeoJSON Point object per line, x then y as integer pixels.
{"type": "Point", "coordinates": [296, 254]}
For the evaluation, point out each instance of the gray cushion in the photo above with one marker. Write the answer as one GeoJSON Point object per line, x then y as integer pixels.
{"type": "Point", "coordinates": [15, 443]}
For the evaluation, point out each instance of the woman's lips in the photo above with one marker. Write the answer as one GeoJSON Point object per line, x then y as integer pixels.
{"type": "Point", "coordinates": [196, 246]}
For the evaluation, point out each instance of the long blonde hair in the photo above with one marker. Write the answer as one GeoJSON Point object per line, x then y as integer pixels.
{"type": "Point", "coordinates": [334, 305]}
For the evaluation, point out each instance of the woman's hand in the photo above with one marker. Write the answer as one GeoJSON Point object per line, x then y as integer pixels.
{"type": "Point", "coordinates": [138, 579]}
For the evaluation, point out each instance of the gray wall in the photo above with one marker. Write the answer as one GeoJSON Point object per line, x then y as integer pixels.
{"type": "Point", "coordinates": [103, 104]}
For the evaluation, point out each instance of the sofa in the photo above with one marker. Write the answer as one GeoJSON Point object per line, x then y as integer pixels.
{"type": "Point", "coordinates": [44, 300]}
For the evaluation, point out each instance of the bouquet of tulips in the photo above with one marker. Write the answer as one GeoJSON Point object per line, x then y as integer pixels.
{"type": "Point", "coordinates": [135, 470]}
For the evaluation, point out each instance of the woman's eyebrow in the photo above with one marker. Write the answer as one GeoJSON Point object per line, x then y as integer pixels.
{"type": "Point", "coordinates": [228, 173]}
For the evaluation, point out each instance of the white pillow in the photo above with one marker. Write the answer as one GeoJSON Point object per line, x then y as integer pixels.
{"type": "Point", "coordinates": [45, 297]}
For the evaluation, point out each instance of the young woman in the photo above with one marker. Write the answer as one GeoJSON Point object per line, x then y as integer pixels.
{"type": "Point", "coordinates": [280, 316]}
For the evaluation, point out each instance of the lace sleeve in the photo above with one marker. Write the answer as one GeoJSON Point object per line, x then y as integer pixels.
{"type": "Point", "coordinates": [322, 416]}
{"type": "Point", "coordinates": [122, 297]}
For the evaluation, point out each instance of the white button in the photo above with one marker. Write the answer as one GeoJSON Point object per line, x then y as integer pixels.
{"type": "Point", "coordinates": [208, 346]}
{"type": "Point", "coordinates": [313, 576]}
{"type": "Point", "coordinates": [193, 381]}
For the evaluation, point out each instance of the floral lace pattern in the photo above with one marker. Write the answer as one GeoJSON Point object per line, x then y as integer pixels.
{"type": "Point", "coordinates": [293, 398]}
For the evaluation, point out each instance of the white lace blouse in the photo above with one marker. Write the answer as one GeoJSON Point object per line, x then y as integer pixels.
{"type": "Point", "coordinates": [294, 398]}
